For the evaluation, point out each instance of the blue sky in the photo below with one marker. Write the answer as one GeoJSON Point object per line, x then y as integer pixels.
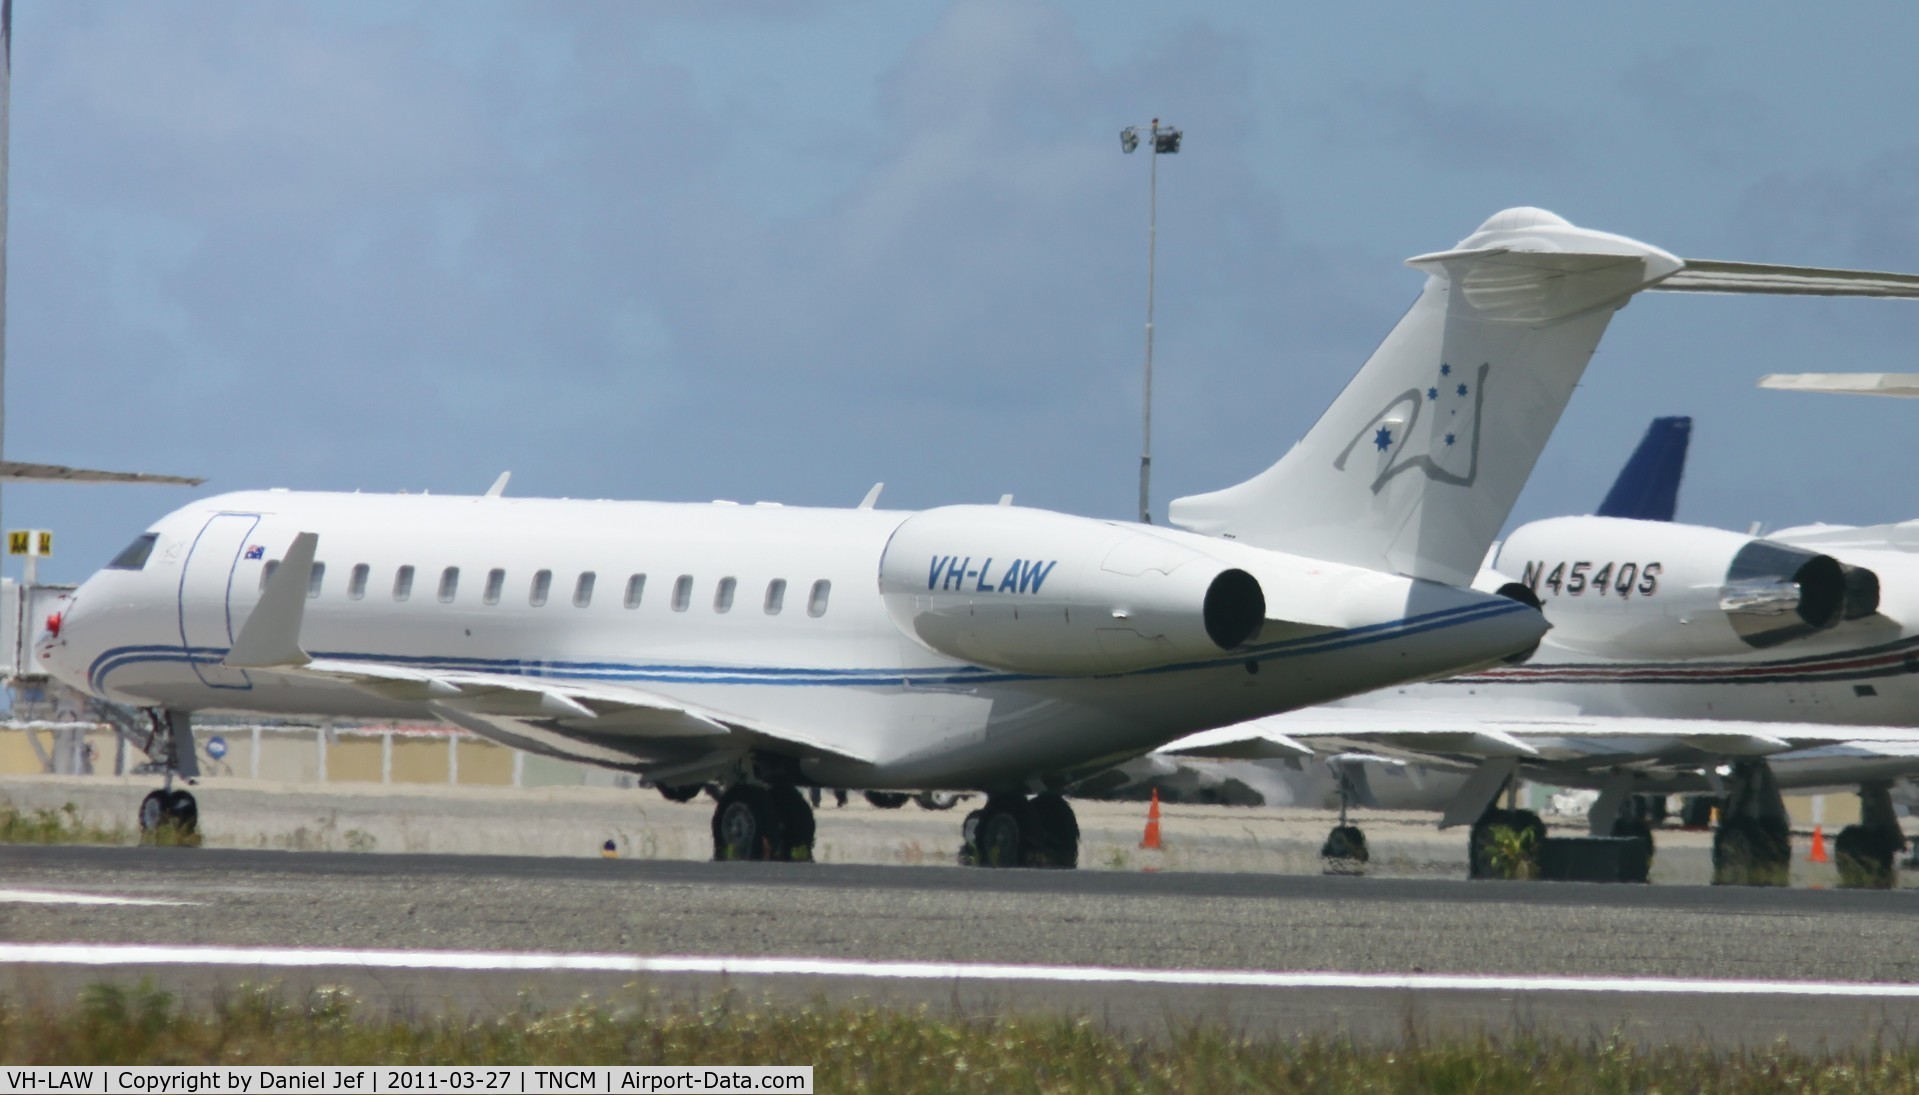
{"type": "Point", "coordinates": [694, 250]}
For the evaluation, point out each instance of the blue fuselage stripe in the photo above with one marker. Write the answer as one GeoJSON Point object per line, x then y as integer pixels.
{"type": "Point", "coordinates": [123, 657]}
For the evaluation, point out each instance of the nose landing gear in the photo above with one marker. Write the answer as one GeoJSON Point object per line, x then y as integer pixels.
{"type": "Point", "coordinates": [174, 811]}
{"type": "Point", "coordinates": [171, 815]}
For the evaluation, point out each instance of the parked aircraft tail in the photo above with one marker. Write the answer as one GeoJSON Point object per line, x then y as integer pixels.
{"type": "Point", "coordinates": [1417, 464]}
{"type": "Point", "coordinates": [1648, 486]}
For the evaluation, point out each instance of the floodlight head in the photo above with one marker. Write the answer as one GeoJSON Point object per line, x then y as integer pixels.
{"type": "Point", "coordinates": [1129, 138]}
{"type": "Point", "coordinates": [1166, 140]}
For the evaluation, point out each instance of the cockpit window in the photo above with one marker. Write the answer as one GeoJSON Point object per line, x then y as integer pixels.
{"type": "Point", "coordinates": [135, 556]}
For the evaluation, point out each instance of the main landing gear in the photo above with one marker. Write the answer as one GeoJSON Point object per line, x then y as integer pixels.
{"type": "Point", "coordinates": [1864, 852]}
{"type": "Point", "coordinates": [1012, 830]}
{"type": "Point", "coordinates": [171, 815]}
{"type": "Point", "coordinates": [1753, 844]}
{"type": "Point", "coordinates": [1505, 843]}
{"type": "Point", "coordinates": [763, 821]}
{"type": "Point", "coordinates": [1345, 848]}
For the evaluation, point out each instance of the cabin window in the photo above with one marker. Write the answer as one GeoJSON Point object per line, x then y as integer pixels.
{"type": "Point", "coordinates": [816, 601]}
{"type": "Point", "coordinates": [542, 585]}
{"type": "Point", "coordinates": [495, 582]}
{"type": "Point", "coordinates": [134, 556]}
{"type": "Point", "coordinates": [635, 588]}
{"type": "Point", "coordinates": [356, 581]}
{"type": "Point", "coordinates": [682, 592]}
{"type": "Point", "coordinates": [723, 595]}
{"type": "Point", "coordinates": [583, 589]}
{"type": "Point", "coordinates": [315, 577]}
{"type": "Point", "coordinates": [403, 583]}
{"type": "Point", "coordinates": [775, 596]}
{"type": "Point", "coordinates": [266, 572]}
{"type": "Point", "coordinates": [449, 584]}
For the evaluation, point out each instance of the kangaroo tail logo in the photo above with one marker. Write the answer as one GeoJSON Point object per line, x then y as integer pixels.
{"type": "Point", "coordinates": [1449, 452]}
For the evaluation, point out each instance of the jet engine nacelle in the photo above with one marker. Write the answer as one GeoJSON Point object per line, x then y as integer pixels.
{"type": "Point", "coordinates": [1038, 592]}
{"type": "Point", "coordinates": [1634, 589]}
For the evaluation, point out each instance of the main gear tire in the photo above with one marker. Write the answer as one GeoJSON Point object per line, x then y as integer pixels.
{"type": "Point", "coordinates": [747, 824]}
{"type": "Point", "coordinates": [1053, 837]}
{"type": "Point", "coordinates": [796, 824]}
{"type": "Point", "coordinates": [1005, 830]}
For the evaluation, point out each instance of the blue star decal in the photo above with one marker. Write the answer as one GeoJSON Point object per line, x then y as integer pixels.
{"type": "Point", "coordinates": [1432, 394]}
{"type": "Point", "coordinates": [1383, 439]}
{"type": "Point", "coordinates": [1450, 439]}
{"type": "Point", "coordinates": [1445, 370]}
{"type": "Point", "coordinates": [1462, 389]}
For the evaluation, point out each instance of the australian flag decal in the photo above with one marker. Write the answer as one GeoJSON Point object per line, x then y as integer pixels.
{"type": "Point", "coordinates": [256, 551]}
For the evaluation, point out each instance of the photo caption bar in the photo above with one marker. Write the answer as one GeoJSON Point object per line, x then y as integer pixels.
{"type": "Point", "coordinates": [410, 1080]}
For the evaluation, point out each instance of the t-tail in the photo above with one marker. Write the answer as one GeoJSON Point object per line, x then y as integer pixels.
{"type": "Point", "coordinates": [1648, 486]}
{"type": "Point", "coordinates": [1416, 465]}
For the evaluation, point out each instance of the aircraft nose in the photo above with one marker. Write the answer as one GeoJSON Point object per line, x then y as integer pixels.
{"type": "Point", "coordinates": [54, 648]}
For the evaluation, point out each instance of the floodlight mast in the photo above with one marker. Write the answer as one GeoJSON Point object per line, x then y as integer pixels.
{"type": "Point", "coordinates": [1163, 139]}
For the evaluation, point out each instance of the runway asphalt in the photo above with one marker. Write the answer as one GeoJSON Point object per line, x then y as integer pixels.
{"type": "Point", "coordinates": [1694, 937]}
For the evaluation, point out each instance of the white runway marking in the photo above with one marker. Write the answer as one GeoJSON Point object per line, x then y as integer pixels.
{"type": "Point", "coordinates": [57, 897]}
{"type": "Point", "coordinates": [123, 954]}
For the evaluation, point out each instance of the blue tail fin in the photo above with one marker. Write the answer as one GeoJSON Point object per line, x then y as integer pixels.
{"type": "Point", "coordinates": [1648, 486]}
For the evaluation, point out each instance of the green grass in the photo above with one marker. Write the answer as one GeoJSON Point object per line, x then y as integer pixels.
{"type": "Point", "coordinates": [62, 826]}
{"type": "Point", "coordinates": [863, 1048]}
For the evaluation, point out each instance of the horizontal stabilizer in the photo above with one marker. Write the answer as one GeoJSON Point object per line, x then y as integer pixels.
{"type": "Point", "coordinates": [16, 472]}
{"type": "Point", "coordinates": [1897, 385]}
{"type": "Point", "coordinates": [1709, 276]}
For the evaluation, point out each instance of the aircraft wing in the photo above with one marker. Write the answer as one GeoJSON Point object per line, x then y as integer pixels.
{"type": "Point", "coordinates": [1245, 741]}
{"type": "Point", "coordinates": [1896, 385]}
{"type": "Point", "coordinates": [604, 723]}
{"type": "Point", "coordinates": [601, 722]}
{"type": "Point", "coordinates": [1572, 749]}
{"type": "Point", "coordinates": [13, 471]}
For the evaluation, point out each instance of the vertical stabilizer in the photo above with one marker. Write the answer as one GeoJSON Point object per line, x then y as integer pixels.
{"type": "Point", "coordinates": [1648, 486]}
{"type": "Point", "coordinates": [1417, 464]}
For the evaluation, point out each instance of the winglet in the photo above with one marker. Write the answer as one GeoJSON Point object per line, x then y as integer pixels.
{"type": "Point", "coordinates": [499, 485]}
{"type": "Point", "coordinates": [271, 635]}
{"type": "Point", "coordinates": [872, 496]}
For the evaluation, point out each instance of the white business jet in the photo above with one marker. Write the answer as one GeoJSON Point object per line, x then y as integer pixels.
{"type": "Point", "coordinates": [1681, 659]}
{"type": "Point", "coordinates": [990, 648]}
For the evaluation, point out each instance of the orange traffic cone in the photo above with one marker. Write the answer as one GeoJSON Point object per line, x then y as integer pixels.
{"type": "Point", "coordinates": [1151, 839]}
{"type": "Point", "coordinates": [1818, 846]}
